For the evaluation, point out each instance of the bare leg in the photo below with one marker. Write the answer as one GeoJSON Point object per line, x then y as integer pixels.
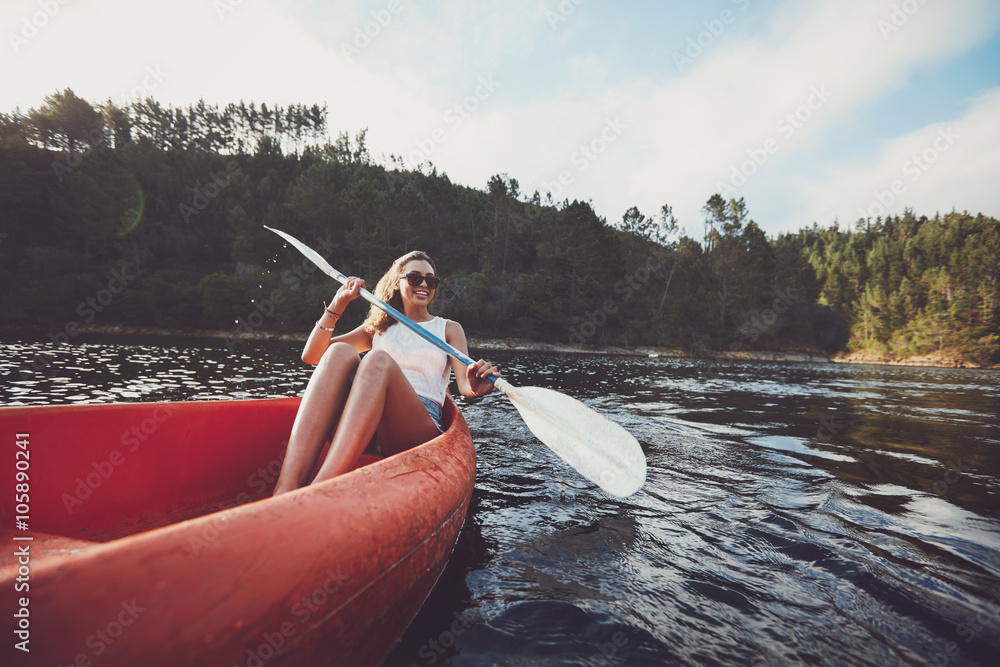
{"type": "Point", "coordinates": [381, 399]}
{"type": "Point", "coordinates": [318, 413]}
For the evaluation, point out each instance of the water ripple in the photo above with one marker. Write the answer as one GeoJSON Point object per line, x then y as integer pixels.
{"type": "Point", "coordinates": [793, 513]}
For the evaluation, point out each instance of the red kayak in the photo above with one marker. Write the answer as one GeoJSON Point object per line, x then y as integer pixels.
{"type": "Point", "coordinates": [145, 534]}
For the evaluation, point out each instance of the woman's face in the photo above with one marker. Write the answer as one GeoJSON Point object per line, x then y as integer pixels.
{"type": "Point", "coordinates": [422, 294]}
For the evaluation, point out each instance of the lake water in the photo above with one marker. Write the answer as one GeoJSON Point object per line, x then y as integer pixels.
{"type": "Point", "coordinates": [793, 513]}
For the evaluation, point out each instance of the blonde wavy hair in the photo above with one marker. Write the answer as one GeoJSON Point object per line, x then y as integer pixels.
{"type": "Point", "coordinates": [387, 290]}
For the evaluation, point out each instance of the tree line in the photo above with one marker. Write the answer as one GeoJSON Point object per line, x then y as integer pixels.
{"type": "Point", "coordinates": [174, 201]}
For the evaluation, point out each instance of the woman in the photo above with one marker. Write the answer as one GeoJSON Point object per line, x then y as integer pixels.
{"type": "Point", "coordinates": [396, 391]}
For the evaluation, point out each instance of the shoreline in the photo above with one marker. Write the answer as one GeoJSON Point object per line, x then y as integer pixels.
{"type": "Point", "coordinates": [526, 345]}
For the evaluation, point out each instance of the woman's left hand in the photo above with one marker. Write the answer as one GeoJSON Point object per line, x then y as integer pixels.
{"type": "Point", "coordinates": [478, 374]}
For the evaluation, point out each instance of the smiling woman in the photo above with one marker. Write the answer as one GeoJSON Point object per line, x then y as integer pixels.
{"type": "Point", "coordinates": [396, 392]}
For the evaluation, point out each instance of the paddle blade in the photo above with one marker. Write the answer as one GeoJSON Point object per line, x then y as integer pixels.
{"type": "Point", "coordinates": [311, 254]}
{"type": "Point", "coordinates": [596, 447]}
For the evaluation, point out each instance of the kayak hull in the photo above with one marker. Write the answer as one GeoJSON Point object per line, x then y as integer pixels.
{"type": "Point", "coordinates": [155, 541]}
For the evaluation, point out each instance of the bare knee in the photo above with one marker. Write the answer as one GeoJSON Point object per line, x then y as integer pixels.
{"type": "Point", "coordinates": [376, 363]}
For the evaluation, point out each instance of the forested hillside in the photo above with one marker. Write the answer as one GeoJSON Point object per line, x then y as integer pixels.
{"type": "Point", "coordinates": [153, 216]}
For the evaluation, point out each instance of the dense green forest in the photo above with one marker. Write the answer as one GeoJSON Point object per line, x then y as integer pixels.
{"type": "Point", "coordinates": [153, 216]}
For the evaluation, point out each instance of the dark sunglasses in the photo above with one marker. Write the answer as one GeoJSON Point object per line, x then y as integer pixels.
{"type": "Point", "coordinates": [415, 279]}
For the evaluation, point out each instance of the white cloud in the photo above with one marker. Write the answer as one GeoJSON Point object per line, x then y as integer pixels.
{"type": "Point", "coordinates": [250, 52]}
{"type": "Point", "coordinates": [689, 134]}
{"type": "Point", "coordinates": [686, 134]}
{"type": "Point", "coordinates": [946, 165]}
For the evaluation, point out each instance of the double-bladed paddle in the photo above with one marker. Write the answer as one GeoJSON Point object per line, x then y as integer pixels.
{"type": "Point", "coordinates": [596, 447]}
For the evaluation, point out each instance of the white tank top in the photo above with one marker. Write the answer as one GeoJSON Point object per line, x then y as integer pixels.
{"type": "Point", "coordinates": [426, 367]}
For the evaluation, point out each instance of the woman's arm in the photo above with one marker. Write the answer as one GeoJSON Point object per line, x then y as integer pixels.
{"type": "Point", "coordinates": [319, 341]}
{"type": "Point", "coordinates": [472, 380]}
{"type": "Point", "coordinates": [322, 337]}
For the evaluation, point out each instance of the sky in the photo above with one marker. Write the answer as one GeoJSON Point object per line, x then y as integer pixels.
{"type": "Point", "coordinates": [820, 111]}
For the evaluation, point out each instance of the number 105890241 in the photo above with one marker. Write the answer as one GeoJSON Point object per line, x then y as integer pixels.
{"type": "Point", "coordinates": [22, 463]}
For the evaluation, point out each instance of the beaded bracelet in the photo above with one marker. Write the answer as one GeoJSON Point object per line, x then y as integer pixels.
{"type": "Point", "coordinates": [331, 313]}
{"type": "Point", "coordinates": [323, 327]}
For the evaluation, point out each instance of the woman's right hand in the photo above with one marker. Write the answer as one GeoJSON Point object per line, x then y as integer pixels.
{"type": "Point", "coordinates": [348, 292]}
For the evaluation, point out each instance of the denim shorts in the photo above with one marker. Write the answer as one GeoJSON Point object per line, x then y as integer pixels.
{"type": "Point", "coordinates": [434, 410]}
